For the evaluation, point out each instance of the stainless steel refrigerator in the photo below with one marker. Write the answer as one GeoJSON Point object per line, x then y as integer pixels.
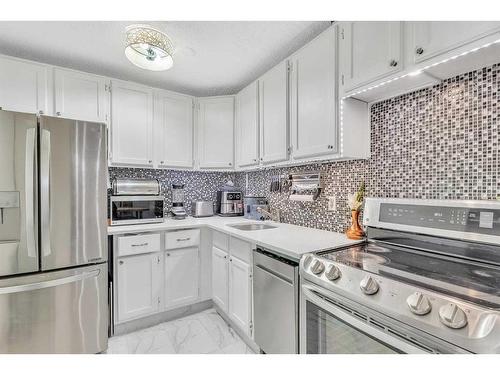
{"type": "Point", "coordinates": [53, 240]}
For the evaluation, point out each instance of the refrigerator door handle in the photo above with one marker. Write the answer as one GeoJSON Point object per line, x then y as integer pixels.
{"type": "Point", "coordinates": [48, 283]}
{"type": "Point", "coordinates": [45, 190]}
{"type": "Point", "coordinates": [29, 179]}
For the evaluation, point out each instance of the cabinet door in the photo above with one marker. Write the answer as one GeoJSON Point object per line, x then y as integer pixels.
{"type": "Point", "coordinates": [23, 86]}
{"type": "Point", "coordinates": [80, 96]}
{"type": "Point", "coordinates": [220, 277]}
{"type": "Point", "coordinates": [240, 293]}
{"type": "Point", "coordinates": [175, 130]}
{"type": "Point", "coordinates": [432, 38]}
{"type": "Point", "coordinates": [313, 104]}
{"type": "Point", "coordinates": [181, 276]}
{"type": "Point", "coordinates": [273, 95]}
{"type": "Point", "coordinates": [131, 124]}
{"type": "Point", "coordinates": [216, 132]}
{"type": "Point", "coordinates": [138, 286]}
{"type": "Point", "coordinates": [247, 125]}
{"type": "Point", "coordinates": [369, 50]}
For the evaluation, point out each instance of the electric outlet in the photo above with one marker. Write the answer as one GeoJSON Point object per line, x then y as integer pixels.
{"type": "Point", "coordinates": [332, 203]}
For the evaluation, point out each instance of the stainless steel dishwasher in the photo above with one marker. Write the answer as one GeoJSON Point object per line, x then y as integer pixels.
{"type": "Point", "coordinates": [276, 303]}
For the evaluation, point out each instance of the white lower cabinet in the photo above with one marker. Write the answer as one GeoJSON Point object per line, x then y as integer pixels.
{"type": "Point", "coordinates": [139, 281]}
{"type": "Point", "coordinates": [181, 277]}
{"type": "Point", "coordinates": [240, 294]}
{"type": "Point", "coordinates": [232, 282]}
{"type": "Point", "coordinates": [220, 273]}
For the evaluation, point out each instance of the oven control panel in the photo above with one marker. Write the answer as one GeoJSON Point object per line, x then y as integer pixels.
{"type": "Point", "coordinates": [462, 219]}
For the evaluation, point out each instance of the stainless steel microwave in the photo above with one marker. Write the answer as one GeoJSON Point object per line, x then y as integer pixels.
{"type": "Point", "coordinates": [137, 209]}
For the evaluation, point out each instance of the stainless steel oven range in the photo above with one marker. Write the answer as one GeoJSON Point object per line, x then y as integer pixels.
{"type": "Point", "coordinates": [427, 280]}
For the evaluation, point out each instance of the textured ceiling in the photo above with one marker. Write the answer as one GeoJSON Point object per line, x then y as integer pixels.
{"type": "Point", "coordinates": [211, 58]}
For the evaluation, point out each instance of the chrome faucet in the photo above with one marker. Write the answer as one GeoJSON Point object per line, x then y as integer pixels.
{"type": "Point", "coordinates": [267, 214]}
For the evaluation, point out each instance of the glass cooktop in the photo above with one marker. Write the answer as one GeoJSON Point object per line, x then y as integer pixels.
{"type": "Point", "coordinates": [472, 281]}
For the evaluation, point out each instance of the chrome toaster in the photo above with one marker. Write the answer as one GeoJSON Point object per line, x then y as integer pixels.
{"type": "Point", "coordinates": [202, 208]}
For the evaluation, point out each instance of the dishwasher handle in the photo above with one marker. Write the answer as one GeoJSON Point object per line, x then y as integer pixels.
{"type": "Point", "coordinates": [274, 274]}
{"type": "Point", "coordinates": [275, 265]}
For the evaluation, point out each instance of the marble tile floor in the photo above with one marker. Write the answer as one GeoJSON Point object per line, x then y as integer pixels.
{"type": "Point", "coordinates": [202, 333]}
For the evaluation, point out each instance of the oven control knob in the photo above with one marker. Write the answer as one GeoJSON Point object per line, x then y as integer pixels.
{"type": "Point", "coordinates": [419, 304]}
{"type": "Point", "coordinates": [452, 316]}
{"type": "Point", "coordinates": [307, 261]}
{"type": "Point", "coordinates": [317, 267]}
{"type": "Point", "coordinates": [333, 273]}
{"type": "Point", "coordinates": [368, 285]}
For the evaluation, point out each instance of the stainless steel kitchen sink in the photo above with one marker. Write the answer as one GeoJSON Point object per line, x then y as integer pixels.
{"type": "Point", "coordinates": [252, 226]}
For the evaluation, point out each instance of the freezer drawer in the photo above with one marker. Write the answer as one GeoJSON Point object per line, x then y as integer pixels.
{"type": "Point", "coordinates": [55, 312]}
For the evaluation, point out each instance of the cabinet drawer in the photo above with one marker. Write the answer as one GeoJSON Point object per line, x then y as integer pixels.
{"type": "Point", "coordinates": [220, 240]}
{"type": "Point", "coordinates": [241, 250]}
{"type": "Point", "coordinates": [138, 244]}
{"type": "Point", "coordinates": [182, 238]}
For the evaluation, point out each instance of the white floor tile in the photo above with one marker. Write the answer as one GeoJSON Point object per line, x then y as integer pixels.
{"type": "Point", "coordinates": [204, 332]}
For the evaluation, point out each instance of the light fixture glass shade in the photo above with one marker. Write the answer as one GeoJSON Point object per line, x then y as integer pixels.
{"type": "Point", "coordinates": [148, 48]}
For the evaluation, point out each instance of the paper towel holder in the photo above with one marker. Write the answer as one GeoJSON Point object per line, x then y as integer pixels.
{"type": "Point", "coordinates": [305, 186]}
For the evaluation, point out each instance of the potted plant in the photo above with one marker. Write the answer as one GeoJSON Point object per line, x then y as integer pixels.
{"type": "Point", "coordinates": [355, 202]}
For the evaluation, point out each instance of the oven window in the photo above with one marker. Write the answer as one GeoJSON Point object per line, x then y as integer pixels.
{"type": "Point", "coordinates": [136, 210]}
{"type": "Point", "coordinates": [328, 335]}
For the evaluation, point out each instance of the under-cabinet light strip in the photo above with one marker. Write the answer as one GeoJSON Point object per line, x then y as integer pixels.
{"type": "Point", "coordinates": [418, 71]}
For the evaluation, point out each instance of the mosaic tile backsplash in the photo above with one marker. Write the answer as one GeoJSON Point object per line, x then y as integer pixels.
{"type": "Point", "coordinates": [198, 185]}
{"type": "Point", "coordinates": [437, 143]}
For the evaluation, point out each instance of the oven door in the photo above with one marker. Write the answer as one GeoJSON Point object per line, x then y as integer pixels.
{"type": "Point", "coordinates": [136, 210]}
{"type": "Point", "coordinates": [331, 326]}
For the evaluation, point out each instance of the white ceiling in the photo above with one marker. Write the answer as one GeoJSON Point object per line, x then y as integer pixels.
{"type": "Point", "coordinates": [211, 58]}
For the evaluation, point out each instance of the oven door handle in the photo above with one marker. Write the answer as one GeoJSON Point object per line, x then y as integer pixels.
{"type": "Point", "coordinates": [308, 292]}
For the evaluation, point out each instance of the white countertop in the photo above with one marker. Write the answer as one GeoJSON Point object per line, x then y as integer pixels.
{"type": "Point", "coordinates": [287, 239]}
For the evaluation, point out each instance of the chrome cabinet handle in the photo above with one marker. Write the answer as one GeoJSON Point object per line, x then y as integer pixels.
{"type": "Point", "coordinates": [58, 113]}
{"type": "Point", "coordinates": [161, 162]}
{"type": "Point", "coordinates": [45, 191]}
{"type": "Point", "coordinates": [29, 181]}
{"type": "Point", "coordinates": [183, 239]}
{"type": "Point", "coordinates": [121, 262]}
{"type": "Point", "coordinates": [393, 63]}
{"type": "Point", "coordinates": [139, 244]}
{"type": "Point", "coordinates": [150, 161]}
{"type": "Point", "coordinates": [419, 50]}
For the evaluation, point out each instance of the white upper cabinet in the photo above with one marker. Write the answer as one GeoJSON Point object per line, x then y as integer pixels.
{"type": "Point", "coordinates": [273, 95]}
{"type": "Point", "coordinates": [216, 132]}
{"type": "Point", "coordinates": [247, 126]}
{"type": "Point", "coordinates": [80, 96]}
{"type": "Point", "coordinates": [181, 276]}
{"type": "Point", "coordinates": [427, 39]}
{"type": "Point", "coordinates": [23, 86]}
{"type": "Point", "coordinates": [369, 50]}
{"type": "Point", "coordinates": [131, 124]}
{"type": "Point", "coordinates": [313, 98]}
{"type": "Point", "coordinates": [174, 124]}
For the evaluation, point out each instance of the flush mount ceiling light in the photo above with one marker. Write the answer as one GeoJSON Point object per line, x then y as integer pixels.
{"type": "Point", "coordinates": [148, 48]}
